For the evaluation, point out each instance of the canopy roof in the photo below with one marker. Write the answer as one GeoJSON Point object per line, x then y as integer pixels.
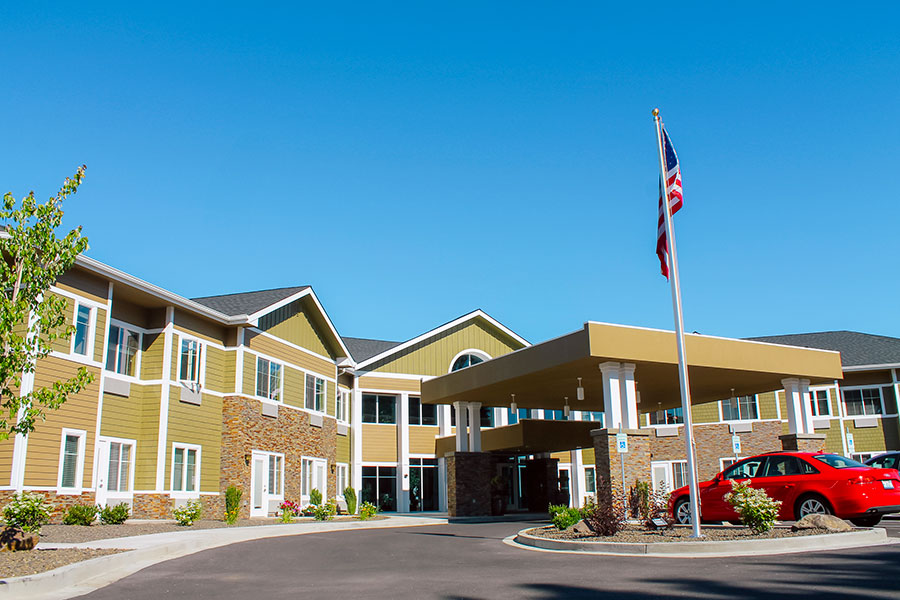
{"type": "Point", "coordinates": [541, 376]}
{"type": "Point", "coordinates": [529, 436]}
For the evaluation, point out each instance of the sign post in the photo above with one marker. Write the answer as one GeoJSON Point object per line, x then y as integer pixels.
{"type": "Point", "coordinates": [622, 449]}
{"type": "Point", "coordinates": [736, 446]}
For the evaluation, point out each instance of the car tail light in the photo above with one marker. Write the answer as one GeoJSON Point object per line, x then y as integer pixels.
{"type": "Point", "coordinates": [862, 480]}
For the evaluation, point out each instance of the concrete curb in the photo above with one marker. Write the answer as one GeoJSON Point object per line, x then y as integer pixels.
{"type": "Point", "coordinates": [83, 577]}
{"type": "Point", "coordinates": [809, 543]}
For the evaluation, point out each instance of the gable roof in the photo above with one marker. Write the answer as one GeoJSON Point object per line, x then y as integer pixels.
{"type": "Point", "coordinates": [363, 349]}
{"type": "Point", "coordinates": [857, 349]}
{"type": "Point", "coordinates": [248, 303]}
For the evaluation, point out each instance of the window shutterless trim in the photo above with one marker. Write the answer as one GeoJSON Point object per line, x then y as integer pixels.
{"type": "Point", "coordinates": [79, 464]}
{"type": "Point", "coordinates": [91, 330]}
{"type": "Point", "coordinates": [182, 493]}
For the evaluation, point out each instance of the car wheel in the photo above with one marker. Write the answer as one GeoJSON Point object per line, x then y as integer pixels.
{"type": "Point", "coordinates": [682, 511]}
{"type": "Point", "coordinates": [867, 521]}
{"type": "Point", "coordinates": [811, 505]}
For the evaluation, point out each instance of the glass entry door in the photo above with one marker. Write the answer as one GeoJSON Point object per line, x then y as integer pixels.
{"type": "Point", "coordinates": [423, 484]}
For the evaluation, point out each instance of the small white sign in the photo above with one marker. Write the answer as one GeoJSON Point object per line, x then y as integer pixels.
{"type": "Point", "coordinates": [622, 442]}
{"type": "Point", "coordinates": [851, 447]}
{"type": "Point", "coordinates": [736, 444]}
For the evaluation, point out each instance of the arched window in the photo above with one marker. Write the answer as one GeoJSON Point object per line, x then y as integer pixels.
{"type": "Point", "coordinates": [466, 360]}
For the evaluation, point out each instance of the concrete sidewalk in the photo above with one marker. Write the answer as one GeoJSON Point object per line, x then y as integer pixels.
{"type": "Point", "coordinates": [145, 550]}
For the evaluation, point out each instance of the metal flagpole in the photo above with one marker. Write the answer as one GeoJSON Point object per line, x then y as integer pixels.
{"type": "Point", "coordinates": [679, 335]}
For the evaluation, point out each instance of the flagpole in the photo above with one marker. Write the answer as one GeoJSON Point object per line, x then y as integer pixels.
{"type": "Point", "coordinates": [679, 334]}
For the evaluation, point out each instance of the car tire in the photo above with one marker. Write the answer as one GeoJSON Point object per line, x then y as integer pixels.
{"type": "Point", "coordinates": [870, 521]}
{"type": "Point", "coordinates": [681, 512]}
{"type": "Point", "coordinates": [811, 504]}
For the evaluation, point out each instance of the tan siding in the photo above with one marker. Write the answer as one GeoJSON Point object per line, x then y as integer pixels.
{"type": "Point", "coordinates": [343, 449]}
{"type": "Point", "coordinates": [84, 284]}
{"type": "Point", "coordinates": [433, 355]}
{"type": "Point", "coordinates": [294, 382]}
{"type": "Point", "coordinates": [198, 327]}
{"type": "Point", "coordinates": [379, 443]}
{"type": "Point", "coordinates": [176, 349]}
{"type": "Point", "coordinates": [100, 336]}
{"type": "Point", "coordinates": [249, 386]}
{"type": "Point", "coordinates": [229, 361]}
{"type": "Point", "coordinates": [587, 457]}
{"type": "Point", "coordinates": [283, 352]}
{"type": "Point", "coordinates": [148, 443]}
{"type": "Point", "coordinates": [562, 457]}
{"type": "Point", "coordinates": [6, 457]}
{"type": "Point", "coordinates": [152, 356]}
{"type": "Point", "coordinates": [78, 412]}
{"type": "Point", "coordinates": [61, 344]}
{"type": "Point", "coordinates": [421, 439]}
{"type": "Point", "coordinates": [329, 398]}
{"type": "Point", "coordinates": [294, 324]}
{"type": "Point", "coordinates": [192, 424]}
{"type": "Point", "coordinates": [768, 408]}
{"type": "Point", "coordinates": [386, 384]}
{"type": "Point", "coordinates": [216, 371]}
{"type": "Point", "coordinates": [874, 439]}
{"type": "Point", "coordinates": [705, 413]}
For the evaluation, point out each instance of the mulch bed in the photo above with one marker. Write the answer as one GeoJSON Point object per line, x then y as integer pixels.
{"type": "Point", "coordinates": [638, 535]}
{"type": "Point", "coordinates": [29, 562]}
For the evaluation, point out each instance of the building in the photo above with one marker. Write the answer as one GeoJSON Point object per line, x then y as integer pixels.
{"type": "Point", "coordinates": [258, 390]}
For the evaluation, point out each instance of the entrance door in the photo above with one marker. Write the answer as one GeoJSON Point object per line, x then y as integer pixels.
{"type": "Point", "coordinates": [266, 483]}
{"type": "Point", "coordinates": [114, 471]}
{"type": "Point", "coordinates": [313, 477]}
{"type": "Point", "coordinates": [423, 484]}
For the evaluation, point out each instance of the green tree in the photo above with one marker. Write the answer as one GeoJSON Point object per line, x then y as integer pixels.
{"type": "Point", "coordinates": [31, 318]}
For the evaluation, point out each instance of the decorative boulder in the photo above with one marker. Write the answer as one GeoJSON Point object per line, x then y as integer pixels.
{"type": "Point", "coordinates": [827, 522]}
{"type": "Point", "coordinates": [13, 539]}
{"type": "Point", "coordinates": [580, 528]}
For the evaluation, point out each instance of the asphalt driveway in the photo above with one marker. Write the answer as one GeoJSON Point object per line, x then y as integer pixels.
{"type": "Point", "coordinates": [470, 561]}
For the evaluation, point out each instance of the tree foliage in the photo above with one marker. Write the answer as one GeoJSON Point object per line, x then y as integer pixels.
{"type": "Point", "coordinates": [31, 318]}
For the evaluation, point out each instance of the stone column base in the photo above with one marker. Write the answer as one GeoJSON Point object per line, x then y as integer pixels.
{"type": "Point", "coordinates": [803, 442]}
{"type": "Point", "coordinates": [609, 462]}
{"type": "Point", "coordinates": [469, 483]}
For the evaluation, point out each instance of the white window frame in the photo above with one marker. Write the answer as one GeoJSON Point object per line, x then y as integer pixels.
{"type": "Point", "coordinates": [280, 475]}
{"type": "Point", "coordinates": [281, 369]}
{"type": "Point", "coordinates": [199, 462]}
{"type": "Point", "coordinates": [727, 461]}
{"type": "Point", "coordinates": [814, 403]}
{"type": "Point", "coordinates": [201, 363]}
{"type": "Point", "coordinates": [91, 331]}
{"type": "Point", "coordinates": [594, 471]}
{"type": "Point", "coordinates": [722, 410]}
{"type": "Point", "coordinates": [341, 473]}
{"type": "Point", "coordinates": [313, 462]}
{"type": "Point", "coordinates": [137, 357]}
{"type": "Point", "coordinates": [323, 407]}
{"type": "Point", "coordinates": [859, 388]}
{"type": "Point", "coordinates": [670, 473]}
{"type": "Point", "coordinates": [125, 442]}
{"type": "Point", "coordinates": [79, 466]}
{"type": "Point", "coordinates": [342, 406]}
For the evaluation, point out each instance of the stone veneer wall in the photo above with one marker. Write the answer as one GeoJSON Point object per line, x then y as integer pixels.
{"type": "Point", "coordinates": [60, 503]}
{"type": "Point", "coordinates": [797, 442]}
{"type": "Point", "coordinates": [469, 483]}
{"type": "Point", "coordinates": [609, 464]}
{"type": "Point", "coordinates": [245, 429]}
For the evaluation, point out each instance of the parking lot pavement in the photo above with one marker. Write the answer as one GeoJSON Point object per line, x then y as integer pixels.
{"type": "Point", "coordinates": [469, 561]}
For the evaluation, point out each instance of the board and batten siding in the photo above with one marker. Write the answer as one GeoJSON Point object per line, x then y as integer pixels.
{"type": "Point", "coordinates": [433, 355]}
{"type": "Point", "coordinates": [196, 424]}
{"type": "Point", "coordinates": [380, 443]}
{"type": "Point", "coordinates": [293, 323]}
{"type": "Point", "coordinates": [78, 412]}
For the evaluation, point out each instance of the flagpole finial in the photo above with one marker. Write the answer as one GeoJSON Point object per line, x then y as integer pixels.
{"type": "Point", "coordinates": [655, 112]}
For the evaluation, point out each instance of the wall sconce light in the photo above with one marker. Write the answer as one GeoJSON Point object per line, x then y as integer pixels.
{"type": "Point", "coordinates": [637, 397]}
{"type": "Point", "coordinates": [566, 409]}
{"type": "Point", "coordinates": [247, 459]}
{"type": "Point", "coordinates": [579, 391]}
{"type": "Point", "coordinates": [512, 405]}
{"type": "Point", "coordinates": [332, 468]}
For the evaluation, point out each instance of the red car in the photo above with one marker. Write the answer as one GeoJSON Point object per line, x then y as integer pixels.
{"type": "Point", "coordinates": [806, 483]}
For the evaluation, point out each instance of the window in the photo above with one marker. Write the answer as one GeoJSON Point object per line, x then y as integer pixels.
{"type": "Point", "coordinates": [590, 480]}
{"type": "Point", "coordinates": [818, 403]}
{"type": "Point", "coordinates": [742, 408]}
{"type": "Point", "coordinates": [466, 360]}
{"type": "Point", "coordinates": [276, 475]}
{"type": "Point", "coordinates": [593, 415]}
{"type": "Point", "coordinates": [185, 467]}
{"type": "Point", "coordinates": [343, 480]}
{"type": "Point", "coordinates": [71, 459]}
{"type": "Point", "coordinates": [121, 357]}
{"type": "Point", "coordinates": [119, 474]}
{"type": "Point", "coordinates": [554, 415]}
{"type": "Point", "coordinates": [668, 475]}
{"type": "Point", "coordinates": [315, 393]}
{"type": "Point", "coordinates": [312, 476]}
{"type": "Point", "coordinates": [421, 414]}
{"type": "Point", "coordinates": [672, 416]}
{"type": "Point", "coordinates": [81, 339]}
{"type": "Point", "coordinates": [379, 409]}
{"type": "Point", "coordinates": [342, 406]}
{"type": "Point", "coordinates": [379, 486]}
{"type": "Point", "coordinates": [886, 461]}
{"type": "Point", "coordinates": [189, 370]}
{"type": "Point", "coordinates": [268, 379]}
{"type": "Point", "coordinates": [746, 469]}
{"type": "Point", "coordinates": [486, 417]}
{"type": "Point", "coordinates": [866, 401]}
{"type": "Point", "coordinates": [513, 417]}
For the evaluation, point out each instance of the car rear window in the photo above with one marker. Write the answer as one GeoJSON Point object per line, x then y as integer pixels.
{"type": "Point", "coordinates": [839, 462]}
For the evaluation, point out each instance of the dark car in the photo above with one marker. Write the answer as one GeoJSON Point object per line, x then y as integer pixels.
{"type": "Point", "coordinates": [888, 460]}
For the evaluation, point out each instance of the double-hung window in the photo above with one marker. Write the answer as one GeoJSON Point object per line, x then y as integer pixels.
{"type": "Point", "coordinates": [590, 480]}
{"type": "Point", "coordinates": [315, 393]}
{"type": "Point", "coordinates": [341, 473]}
{"type": "Point", "coordinates": [742, 408]}
{"type": "Point", "coordinates": [818, 401]}
{"type": "Point", "coordinates": [379, 409]}
{"type": "Point", "coordinates": [71, 460]}
{"type": "Point", "coordinates": [864, 401]}
{"type": "Point", "coordinates": [81, 340]}
{"type": "Point", "coordinates": [121, 356]}
{"type": "Point", "coordinates": [190, 357]}
{"type": "Point", "coordinates": [268, 379]}
{"type": "Point", "coordinates": [276, 475]}
{"type": "Point", "coordinates": [342, 406]}
{"type": "Point", "coordinates": [185, 468]}
{"type": "Point", "coordinates": [421, 414]}
{"type": "Point", "coordinates": [119, 473]}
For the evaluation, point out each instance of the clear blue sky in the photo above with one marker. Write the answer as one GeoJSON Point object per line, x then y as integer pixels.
{"type": "Point", "coordinates": [414, 162]}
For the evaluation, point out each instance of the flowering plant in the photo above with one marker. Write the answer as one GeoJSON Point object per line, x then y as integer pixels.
{"type": "Point", "coordinates": [754, 507]}
{"type": "Point", "coordinates": [288, 511]}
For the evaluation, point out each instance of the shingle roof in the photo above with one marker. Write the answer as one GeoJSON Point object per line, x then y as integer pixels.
{"type": "Point", "coordinates": [247, 303]}
{"type": "Point", "coordinates": [363, 349]}
{"type": "Point", "coordinates": [856, 348]}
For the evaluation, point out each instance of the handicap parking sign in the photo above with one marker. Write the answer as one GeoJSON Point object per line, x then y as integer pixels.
{"type": "Point", "coordinates": [736, 444]}
{"type": "Point", "coordinates": [621, 442]}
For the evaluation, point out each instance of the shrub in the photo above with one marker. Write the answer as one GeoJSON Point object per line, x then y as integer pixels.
{"type": "Point", "coordinates": [605, 514]}
{"type": "Point", "coordinates": [315, 497]}
{"type": "Point", "coordinates": [80, 514]}
{"type": "Point", "coordinates": [367, 510]}
{"type": "Point", "coordinates": [754, 507]}
{"type": "Point", "coordinates": [289, 510]}
{"type": "Point", "coordinates": [114, 515]}
{"type": "Point", "coordinates": [325, 512]}
{"type": "Point", "coordinates": [28, 512]}
{"type": "Point", "coordinates": [639, 501]}
{"type": "Point", "coordinates": [566, 517]}
{"type": "Point", "coordinates": [232, 504]}
{"type": "Point", "coordinates": [350, 499]}
{"type": "Point", "coordinates": [187, 514]}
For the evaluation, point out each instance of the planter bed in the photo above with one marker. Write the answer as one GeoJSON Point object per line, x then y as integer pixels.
{"type": "Point", "coordinates": [29, 562]}
{"type": "Point", "coordinates": [636, 534]}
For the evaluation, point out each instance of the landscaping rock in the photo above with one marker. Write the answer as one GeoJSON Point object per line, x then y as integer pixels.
{"type": "Point", "coordinates": [13, 539]}
{"type": "Point", "coordinates": [827, 522]}
{"type": "Point", "coordinates": [581, 528]}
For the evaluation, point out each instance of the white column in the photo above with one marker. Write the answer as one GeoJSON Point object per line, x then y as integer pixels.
{"type": "Point", "coordinates": [611, 395]}
{"type": "Point", "coordinates": [475, 426]}
{"type": "Point", "coordinates": [356, 436]}
{"type": "Point", "coordinates": [576, 478]}
{"type": "Point", "coordinates": [795, 409]}
{"type": "Point", "coordinates": [806, 407]}
{"type": "Point", "coordinates": [162, 439]}
{"type": "Point", "coordinates": [403, 453]}
{"type": "Point", "coordinates": [502, 417]}
{"type": "Point", "coordinates": [628, 396]}
{"type": "Point", "coordinates": [462, 428]}
{"type": "Point", "coordinates": [444, 428]}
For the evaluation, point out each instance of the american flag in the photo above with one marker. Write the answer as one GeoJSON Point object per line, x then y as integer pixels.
{"type": "Point", "coordinates": [673, 193]}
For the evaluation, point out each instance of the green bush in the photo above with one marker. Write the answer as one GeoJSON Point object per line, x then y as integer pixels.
{"type": "Point", "coordinates": [325, 512]}
{"type": "Point", "coordinates": [315, 497]}
{"type": "Point", "coordinates": [756, 510]}
{"type": "Point", "coordinates": [367, 510]}
{"type": "Point", "coordinates": [80, 514]}
{"type": "Point", "coordinates": [350, 499]}
{"type": "Point", "coordinates": [114, 515]}
{"type": "Point", "coordinates": [187, 514]}
{"type": "Point", "coordinates": [567, 517]}
{"type": "Point", "coordinates": [555, 509]}
{"type": "Point", "coordinates": [28, 512]}
{"type": "Point", "coordinates": [232, 504]}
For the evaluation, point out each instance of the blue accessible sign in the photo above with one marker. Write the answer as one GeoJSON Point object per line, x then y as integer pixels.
{"type": "Point", "coordinates": [621, 442]}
